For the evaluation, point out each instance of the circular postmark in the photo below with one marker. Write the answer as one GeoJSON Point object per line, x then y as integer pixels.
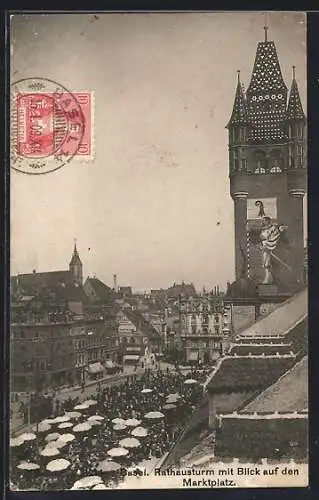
{"type": "Point", "coordinates": [47, 125]}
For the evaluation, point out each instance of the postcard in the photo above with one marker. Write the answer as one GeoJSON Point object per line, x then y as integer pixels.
{"type": "Point", "coordinates": [159, 323]}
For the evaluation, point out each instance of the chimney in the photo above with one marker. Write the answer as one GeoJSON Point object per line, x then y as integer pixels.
{"type": "Point", "coordinates": [115, 285]}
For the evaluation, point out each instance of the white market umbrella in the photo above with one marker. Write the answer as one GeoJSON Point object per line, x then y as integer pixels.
{"type": "Point", "coordinates": [153, 415]}
{"type": "Point", "coordinates": [117, 452]}
{"type": "Point", "coordinates": [132, 422]}
{"type": "Point", "coordinates": [58, 465]}
{"type": "Point", "coordinates": [48, 421]}
{"type": "Point", "coordinates": [65, 425]}
{"type": "Point", "coordinates": [119, 427]}
{"type": "Point", "coordinates": [130, 443]}
{"type": "Point", "coordinates": [42, 427]}
{"type": "Point", "coordinates": [28, 466]}
{"type": "Point", "coordinates": [51, 444]}
{"type": "Point", "coordinates": [82, 427]}
{"type": "Point", "coordinates": [90, 402]}
{"type": "Point", "coordinates": [173, 398]}
{"type": "Point", "coordinates": [93, 422]}
{"type": "Point", "coordinates": [108, 466]}
{"type": "Point", "coordinates": [146, 391]}
{"type": "Point", "coordinates": [190, 381]}
{"type": "Point", "coordinates": [15, 442]}
{"type": "Point", "coordinates": [27, 436]}
{"type": "Point", "coordinates": [139, 432]}
{"type": "Point", "coordinates": [118, 421]}
{"type": "Point", "coordinates": [73, 414]}
{"type": "Point", "coordinates": [169, 406]}
{"type": "Point", "coordinates": [95, 417]}
{"type": "Point", "coordinates": [174, 395]}
{"type": "Point", "coordinates": [82, 407]}
{"type": "Point", "coordinates": [59, 443]}
{"type": "Point", "coordinates": [49, 452]}
{"type": "Point", "coordinates": [53, 436]}
{"type": "Point", "coordinates": [100, 486]}
{"type": "Point", "coordinates": [87, 482]}
{"type": "Point", "coordinates": [63, 418]}
{"type": "Point", "coordinates": [66, 438]}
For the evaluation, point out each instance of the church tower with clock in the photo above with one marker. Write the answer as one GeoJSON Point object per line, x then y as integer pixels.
{"type": "Point", "coordinates": [267, 172]}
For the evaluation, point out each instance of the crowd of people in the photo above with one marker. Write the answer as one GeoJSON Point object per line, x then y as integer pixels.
{"type": "Point", "coordinates": [132, 399]}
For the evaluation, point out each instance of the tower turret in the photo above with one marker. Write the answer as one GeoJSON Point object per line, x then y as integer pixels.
{"type": "Point", "coordinates": [237, 130]}
{"type": "Point", "coordinates": [297, 143]}
{"type": "Point", "coordinates": [76, 267]}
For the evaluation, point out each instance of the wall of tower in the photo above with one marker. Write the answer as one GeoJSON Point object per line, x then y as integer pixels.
{"type": "Point", "coordinates": [77, 273]}
{"type": "Point", "coordinates": [272, 190]}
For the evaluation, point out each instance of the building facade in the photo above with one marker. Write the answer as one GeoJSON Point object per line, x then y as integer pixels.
{"type": "Point", "coordinates": [57, 337]}
{"type": "Point", "coordinates": [136, 335]}
{"type": "Point", "coordinates": [205, 329]}
{"type": "Point", "coordinates": [267, 171]}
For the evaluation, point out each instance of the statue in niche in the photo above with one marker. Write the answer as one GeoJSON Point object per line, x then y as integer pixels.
{"type": "Point", "coordinates": [270, 237]}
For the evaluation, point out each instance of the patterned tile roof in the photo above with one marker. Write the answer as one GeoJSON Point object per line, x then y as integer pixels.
{"type": "Point", "coordinates": [267, 97]}
{"type": "Point", "coordinates": [294, 109]}
{"type": "Point", "coordinates": [239, 114]}
{"type": "Point", "coordinates": [289, 393]}
{"type": "Point", "coordinates": [249, 372]}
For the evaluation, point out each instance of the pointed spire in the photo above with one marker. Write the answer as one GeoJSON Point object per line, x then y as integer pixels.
{"type": "Point", "coordinates": [266, 26]}
{"type": "Point", "coordinates": [266, 30]}
{"type": "Point", "coordinates": [75, 256]}
{"type": "Point", "coordinates": [266, 96]}
{"type": "Point", "coordinates": [239, 113]}
{"type": "Point", "coordinates": [294, 108]}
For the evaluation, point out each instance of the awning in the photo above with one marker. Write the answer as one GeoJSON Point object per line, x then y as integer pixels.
{"type": "Point", "coordinates": [95, 368]}
{"type": "Point", "coordinates": [131, 357]}
{"type": "Point", "coordinates": [193, 356]}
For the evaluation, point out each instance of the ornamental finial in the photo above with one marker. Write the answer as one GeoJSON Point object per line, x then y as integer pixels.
{"type": "Point", "coordinates": [266, 28]}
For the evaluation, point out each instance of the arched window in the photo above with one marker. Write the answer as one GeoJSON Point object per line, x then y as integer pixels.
{"type": "Point", "coordinates": [260, 162]}
{"type": "Point", "coordinates": [299, 130]}
{"type": "Point", "coordinates": [276, 161]}
{"type": "Point", "coordinates": [299, 155]}
{"type": "Point", "coordinates": [244, 165]}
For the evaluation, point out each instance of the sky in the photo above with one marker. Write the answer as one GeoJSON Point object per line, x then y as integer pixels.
{"type": "Point", "coordinates": [153, 205]}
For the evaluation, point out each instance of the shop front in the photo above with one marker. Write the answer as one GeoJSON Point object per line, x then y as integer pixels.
{"type": "Point", "coordinates": [95, 370]}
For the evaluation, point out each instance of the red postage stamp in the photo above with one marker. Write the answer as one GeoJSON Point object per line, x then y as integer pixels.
{"type": "Point", "coordinates": [46, 128]}
{"type": "Point", "coordinates": [50, 126]}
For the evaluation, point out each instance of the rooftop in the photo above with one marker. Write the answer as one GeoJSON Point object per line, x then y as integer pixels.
{"type": "Point", "coordinates": [260, 348]}
{"type": "Point", "coordinates": [248, 372]}
{"type": "Point", "coordinates": [289, 393]}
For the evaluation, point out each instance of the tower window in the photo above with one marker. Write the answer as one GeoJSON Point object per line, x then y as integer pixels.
{"type": "Point", "coordinates": [236, 135]}
{"type": "Point", "coordinates": [276, 161]}
{"type": "Point", "coordinates": [299, 130]}
{"type": "Point", "coordinates": [260, 162]}
{"type": "Point", "coordinates": [300, 155]}
{"type": "Point", "coordinates": [236, 161]}
{"type": "Point", "coordinates": [244, 165]}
